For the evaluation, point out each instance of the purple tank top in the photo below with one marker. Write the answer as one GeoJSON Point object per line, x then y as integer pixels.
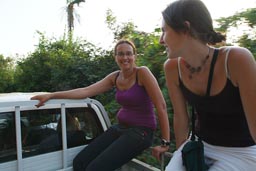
{"type": "Point", "coordinates": [137, 108]}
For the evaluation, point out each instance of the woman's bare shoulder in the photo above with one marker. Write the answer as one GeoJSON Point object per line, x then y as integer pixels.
{"type": "Point", "coordinates": [112, 76]}
{"type": "Point", "coordinates": [236, 51]}
{"type": "Point", "coordinates": [171, 63]}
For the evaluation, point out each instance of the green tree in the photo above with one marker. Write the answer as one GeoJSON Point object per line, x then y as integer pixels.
{"type": "Point", "coordinates": [71, 13]}
{"type": "Point", "coordinates": [61, 65]}
{"type": "Point", "coordinates": [243, 22]}
{"type": "Point", "coordinates": [6, 74]}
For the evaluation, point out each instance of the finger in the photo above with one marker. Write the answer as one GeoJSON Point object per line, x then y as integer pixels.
{"type": "Point", "coordinates": [34, 98]}
{"type": "Point", "coordinates": [157, 156]}
{"type": "Point", "coordinates": [40, 104]}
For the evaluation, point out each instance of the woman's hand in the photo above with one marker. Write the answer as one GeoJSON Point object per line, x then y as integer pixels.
{"type": "Point", "coordinates": [42, 99]}
{"type": "Point", "coordinates": [157, 151]}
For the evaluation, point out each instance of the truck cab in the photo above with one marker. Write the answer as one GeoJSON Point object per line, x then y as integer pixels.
{"type": "Point", "coordinates": [49, 137]}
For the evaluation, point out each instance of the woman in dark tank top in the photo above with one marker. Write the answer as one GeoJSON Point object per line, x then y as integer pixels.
{"type": "Point", "coordinates": [219, 83]}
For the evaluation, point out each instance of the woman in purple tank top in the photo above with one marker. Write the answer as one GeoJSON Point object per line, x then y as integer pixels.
{"type": "Point", "coordinates": [219, 83]}
{"type": "Point", "coordinates": [138, 93]}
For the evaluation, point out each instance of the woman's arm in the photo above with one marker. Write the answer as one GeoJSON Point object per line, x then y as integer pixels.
{"type": "Point", "coordinates": [147, 79]}
{"type": "Point", "coordinates": [180, 117]}
{"type": "Point", "coordinates": [99, 87]}
{"type": "Point", "coordinates": [242, 69]}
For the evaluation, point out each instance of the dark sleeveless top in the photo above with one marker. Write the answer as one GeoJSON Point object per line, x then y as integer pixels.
{"type": "Point", "coordinates": [137, 108]}
{"type": "Point", "coordinates": [220, 118]}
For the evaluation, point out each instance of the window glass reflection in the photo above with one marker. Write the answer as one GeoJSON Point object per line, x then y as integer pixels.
{"type": "Point", "coordinates": [42, 133]}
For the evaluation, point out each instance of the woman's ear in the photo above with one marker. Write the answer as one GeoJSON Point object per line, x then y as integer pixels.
{"type": "Point", "coordinates": [186, 26]}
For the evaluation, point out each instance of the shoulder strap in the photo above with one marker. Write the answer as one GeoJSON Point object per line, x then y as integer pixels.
{"type": "Point", "coordinates": [117, 76]}
{"type": "Point", "coordinates": [179, 70]}
{"type": "Point", "coordinates": [193, 129]}
{"type": "Point", "coordinates": [193, 117]}
{"type": "Point", "coordinates": [193, 124]}
{"type": "Point", "coordinates": [226, 63]}
{"type": "Point", "coordinates": [214, 58]}
{"type": "Point", "coordinates": [136, 75]}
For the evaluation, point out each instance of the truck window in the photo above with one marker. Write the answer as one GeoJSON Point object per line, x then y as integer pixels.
{"type": "Point", "coordinates": [42, 131]}
{"type": "Point", "coordinates": [7, 137]}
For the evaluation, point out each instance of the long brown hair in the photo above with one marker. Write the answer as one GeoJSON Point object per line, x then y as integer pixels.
{"type": "Point", "coordinates": [196, 13]}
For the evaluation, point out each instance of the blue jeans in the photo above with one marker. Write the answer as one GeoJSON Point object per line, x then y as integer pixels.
{"type": "Point", "coordinates": [113, 148]}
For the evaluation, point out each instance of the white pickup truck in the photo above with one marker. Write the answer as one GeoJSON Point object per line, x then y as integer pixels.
{"type": "Point", "coordinates": [49, 137]}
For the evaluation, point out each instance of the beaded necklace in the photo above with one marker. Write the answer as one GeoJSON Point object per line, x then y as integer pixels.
{"type": "Point", "coordinates": [197, 69]}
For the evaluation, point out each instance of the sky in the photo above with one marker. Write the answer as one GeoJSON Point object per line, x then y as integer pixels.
{"type": "Point", "coordinates": [21, 19]}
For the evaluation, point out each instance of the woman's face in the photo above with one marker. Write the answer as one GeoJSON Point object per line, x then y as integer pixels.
{"type": "Point", "coordinates": [125, 57]}
{"type": "Point", "coordinates": [172, 40]}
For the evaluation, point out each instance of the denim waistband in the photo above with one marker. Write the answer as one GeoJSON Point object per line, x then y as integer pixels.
{"type": "Point", "coordinates": [124, 126]}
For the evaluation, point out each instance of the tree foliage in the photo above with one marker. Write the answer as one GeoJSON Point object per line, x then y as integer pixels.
{"type": "Point", "coordinates": [245, 17]}
{"type": "Point", "coordinates": [61, 65]}
{"type": "Point", "coordinates": [6, 74]}
{"type": "Point", "coordinates": [242, 22]}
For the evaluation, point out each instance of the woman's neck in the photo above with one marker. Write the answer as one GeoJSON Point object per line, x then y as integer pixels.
{"type": "Point", "coordinates": [126, 74]}
{"type": "Point", "coordinates": [197, 59]}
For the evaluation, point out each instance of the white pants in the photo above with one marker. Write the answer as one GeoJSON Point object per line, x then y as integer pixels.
{"type": "Point", "coordinates": [220, 158]}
